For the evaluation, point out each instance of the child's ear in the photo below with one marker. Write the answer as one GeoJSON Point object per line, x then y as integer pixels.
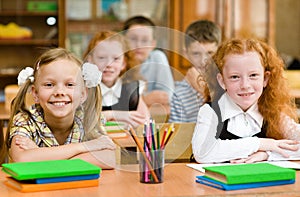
{"type": "Point", "coordinates": [266, 78]}
{"type": "Point", "coordinates": [34, 94]}
{"type": "Point", "coordinates": [123, 65]}
{"type": "Point", "coordinates": [221, 81]}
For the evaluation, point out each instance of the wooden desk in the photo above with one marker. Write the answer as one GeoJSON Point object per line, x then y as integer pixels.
{"type": "Point", "coordinates": [179, 180]}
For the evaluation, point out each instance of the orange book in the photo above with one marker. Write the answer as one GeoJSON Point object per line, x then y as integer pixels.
{"type": "Point", "coordinates": [27, 186]}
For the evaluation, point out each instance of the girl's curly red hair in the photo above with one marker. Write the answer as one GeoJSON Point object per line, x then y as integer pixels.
{"type": "Point", "coordinates": [275, 99]}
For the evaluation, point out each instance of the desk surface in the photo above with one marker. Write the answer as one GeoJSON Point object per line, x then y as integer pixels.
{"type": "Point", "coordinates": [179, 180]}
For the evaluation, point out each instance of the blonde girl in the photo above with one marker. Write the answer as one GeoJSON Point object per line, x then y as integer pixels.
{"type": "Point", "coordinates": [59, 124]}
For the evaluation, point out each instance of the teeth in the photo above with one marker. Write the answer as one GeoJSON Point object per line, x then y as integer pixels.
{"type": "Point", "coordinates": [59, 103]}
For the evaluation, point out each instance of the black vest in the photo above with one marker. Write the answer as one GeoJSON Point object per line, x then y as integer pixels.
{"type": "Point", "coordinates": [129, 98]}
{"type": "Point", "coordinates": [222, 132]}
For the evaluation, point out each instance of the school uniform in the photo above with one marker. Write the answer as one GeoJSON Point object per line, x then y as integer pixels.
{"type": "Point", "coordinates": [121, 96]}
{"type": "Point", "coordinates": [208, 147]}
{"type": "Point", "coordinates": [242, 132]}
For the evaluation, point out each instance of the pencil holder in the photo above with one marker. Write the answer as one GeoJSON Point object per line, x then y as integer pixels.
{"type": "Point", "coordinates": [151, 166]}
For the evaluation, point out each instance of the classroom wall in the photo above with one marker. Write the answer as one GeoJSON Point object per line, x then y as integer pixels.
{"type": "Point", "coordinates": [287, 33]}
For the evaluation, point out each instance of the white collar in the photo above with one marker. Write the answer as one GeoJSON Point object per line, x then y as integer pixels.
{"type": "Point", "coordinates": [229, 109]}
{"type": "Point", "coordinates": [115, 89]}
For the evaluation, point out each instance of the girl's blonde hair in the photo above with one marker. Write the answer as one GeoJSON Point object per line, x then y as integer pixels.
{"type": "Point", "coordinates": [275, 99]}
{"type": "Point", "coordinates": [131, 72]}
{"type": "Point", "coordinates": [92, 106]}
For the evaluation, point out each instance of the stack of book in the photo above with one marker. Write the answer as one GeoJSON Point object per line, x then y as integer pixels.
{"type": "Point", "coordinates": [116, 129]}
{"type": "Point", "coordinates": [51, 175]}
{"type": "Point", "coordinates": [244, 176]}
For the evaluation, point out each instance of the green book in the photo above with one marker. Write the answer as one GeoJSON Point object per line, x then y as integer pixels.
{"type": "Point", "coordinates": [249, 173]}
{"type": "Point", "coordinates": [49, 169]}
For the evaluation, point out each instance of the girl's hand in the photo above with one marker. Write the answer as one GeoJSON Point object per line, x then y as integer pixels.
{"type": "Point", "coordinates": [133, 118]}
{"type": "Point", "coordinates": [255, 157]}
{"type": "Point", "coordinates": [279, 146]}
{"type": "Point", "coordinates": [25, 143]}
{"type": "Point", "coordinates": [100, 143]}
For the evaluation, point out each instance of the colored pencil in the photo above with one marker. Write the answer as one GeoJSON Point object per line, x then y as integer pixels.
{"type": "Point", "coordinates": [157, 138]}
{"type": "Point", "coordinates": [133, 134]}
{"type": "Point", "coordinates": [168, 138]}
{"type": "Point", "coordinates": [163, 138]}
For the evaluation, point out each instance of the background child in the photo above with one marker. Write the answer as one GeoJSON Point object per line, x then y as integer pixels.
{"type": "Point", "coordinates": [59, 124]}
{"type": "Point", "coordinates": [155, 67]}
{"type": "Point", "coordinates": [120, 88]}
{"type": "Point", "coordinates": [255, 114]}
{"type": "Point", "coordinates": [202, 39]}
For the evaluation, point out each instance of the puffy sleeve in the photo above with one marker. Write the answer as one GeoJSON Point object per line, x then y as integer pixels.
{"type": "Point", "coordinates": [21, 126]}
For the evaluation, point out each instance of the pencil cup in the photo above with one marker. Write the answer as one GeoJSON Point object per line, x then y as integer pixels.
{"type": "Point", "coordinates": [151, 165]}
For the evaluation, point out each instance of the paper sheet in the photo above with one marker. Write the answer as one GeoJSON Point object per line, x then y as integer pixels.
{"type": "Point", "coordinates": [284, 164]}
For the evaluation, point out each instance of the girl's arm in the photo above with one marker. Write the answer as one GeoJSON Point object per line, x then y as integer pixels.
{"type": "Point", "coordinates": [22, 149]}
{"type": "Point", "coordinates": [134, 118]}
{"type": "Point", "coordinates": [142, 108]}
{"type": "Point", "coordinates": [106, 159]}
{"type": "Point", "coordinates": [207, 149]}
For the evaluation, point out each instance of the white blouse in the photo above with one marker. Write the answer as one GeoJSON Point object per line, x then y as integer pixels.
{"type": "Point", "coordinates": [111, 96]}
{"type": "Point", "coordinates": [208, 149]}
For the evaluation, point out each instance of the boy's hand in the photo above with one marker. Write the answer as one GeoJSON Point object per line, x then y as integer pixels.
{"type": "Point", "coordinates": [197, 81]}
{"type": "Point", "coordinates": [156, 96]}
{"type": "Point", "coordinates": [279, 146]}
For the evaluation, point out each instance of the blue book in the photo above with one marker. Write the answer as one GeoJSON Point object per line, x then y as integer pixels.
{"type": "Point", "coordinates": [223, 186]}
{"type": "Point", "coordinates": [67, 178]}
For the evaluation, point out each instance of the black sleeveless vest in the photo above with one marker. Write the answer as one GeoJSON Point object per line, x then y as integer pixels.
{"type": "Point", "coordinates": [129, 98]}
{"type": "Point", "coordinates": [222, 132]}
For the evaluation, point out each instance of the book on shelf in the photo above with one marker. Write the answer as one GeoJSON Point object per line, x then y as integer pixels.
{"type": "Point", "coordinates": [249, 173]}
{"type": "Point", "coordinates": [29, 186]}
{"type": "Point", "coordinates": [116, 129]}
{"type": "Point", "coordinates": [50, 169]}
{"type": "Point", "coordinates": [223, 186]}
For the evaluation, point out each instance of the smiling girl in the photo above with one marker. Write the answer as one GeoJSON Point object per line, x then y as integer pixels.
{"type": "Point", "coordinates": [121, 89]}
{"type": "Point", "coordinates": [255, 117]}
{"type": "Point", "coordinates": [59, 124]}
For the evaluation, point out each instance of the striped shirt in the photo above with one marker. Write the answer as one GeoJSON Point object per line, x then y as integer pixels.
{"type": "Point", "coordinates": [185, 103]}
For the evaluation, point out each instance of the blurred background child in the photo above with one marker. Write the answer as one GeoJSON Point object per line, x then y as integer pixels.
{"type": "Point", "coordinates": [202, 39]}
{"type": "Point", "coordinates": [120, 86]}
{"type": "Point", "coordinates": [155, 68]}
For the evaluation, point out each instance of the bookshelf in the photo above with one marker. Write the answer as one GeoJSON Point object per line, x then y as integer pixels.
{"type": "Point", "coordinates": [17, 53]}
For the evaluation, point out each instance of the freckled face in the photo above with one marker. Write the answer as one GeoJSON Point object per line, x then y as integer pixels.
{"type": "Point", "coordinates": [109, 57]}
{"type": "Point", "coordinates": [244, 78]}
